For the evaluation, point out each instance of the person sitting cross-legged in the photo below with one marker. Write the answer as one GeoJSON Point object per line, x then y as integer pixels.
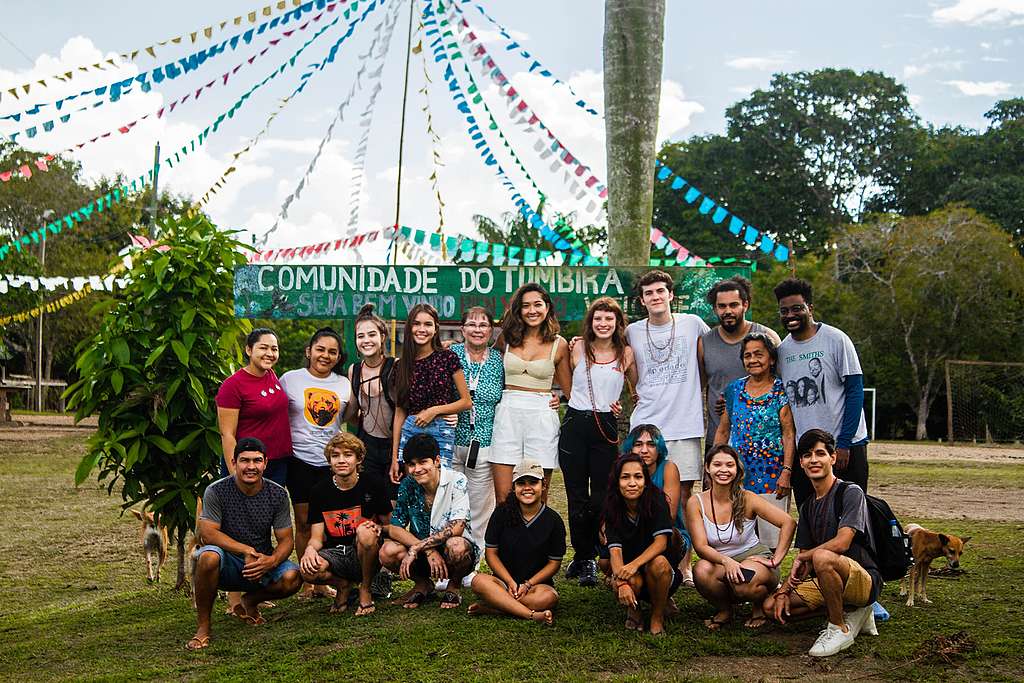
{"type": "Point", "coordinates": [835, 567]}
{"type": "Point", "coordinates": [239, 512]}
{"type": "Point", "coordinates": [346, 516]}
{"type": "Point", "coordinates": [525, 544]}
{"type": "Point", "coordinates": [433, 502]}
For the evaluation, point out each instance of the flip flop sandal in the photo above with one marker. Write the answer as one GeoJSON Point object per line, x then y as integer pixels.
{"type": "Point", "coordinates": [257, 620]}
{"type": "Point", "coordinates": [450, 600]}
{"type": "Point", "coordinates": [366, 610]}
{"type": "Point", "coordinates": [234, 611]}
{"type": "Point", "coordinates": [415, 600]}
{"type": "Point", "coordinates": [749, 623]}
{"type": "Point", "coordinates": [197, 643]}
{"type": "Point", "coordinates": [715, 625]}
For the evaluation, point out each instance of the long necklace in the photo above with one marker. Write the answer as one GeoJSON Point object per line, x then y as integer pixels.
{"type": "Point", "coordinates": [593, 402]}
{"type": "Point", "coordinates": [654, 347]}
{"type": "Point", "coordinates": [714, 520]}
{"type": "Point", "coordinates": [377, 414]}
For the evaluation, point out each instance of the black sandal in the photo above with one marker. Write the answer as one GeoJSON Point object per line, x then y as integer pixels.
{"type": "Point", "coordinates": [416, 599]}
{"type": "Point", "coordinates": [450, 600]}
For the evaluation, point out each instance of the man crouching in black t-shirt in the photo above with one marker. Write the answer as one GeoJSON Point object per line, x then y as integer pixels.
{"type": "Point", "coordinates": [834, 567]}
{"type": "Point", "coordinates": [346, 514]}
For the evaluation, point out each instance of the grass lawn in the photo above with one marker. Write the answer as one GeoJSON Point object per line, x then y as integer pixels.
{"type": "Point", "coordinates": [76, 605]}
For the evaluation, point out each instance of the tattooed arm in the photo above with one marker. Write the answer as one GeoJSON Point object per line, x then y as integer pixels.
{"type": "Point", "coordinates": [455, 527]}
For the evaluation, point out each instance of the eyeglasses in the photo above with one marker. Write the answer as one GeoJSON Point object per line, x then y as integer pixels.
{"type": "Point", "coordinates": [476, 326]}
{"type": "Point", "coordinates": [798, 308]}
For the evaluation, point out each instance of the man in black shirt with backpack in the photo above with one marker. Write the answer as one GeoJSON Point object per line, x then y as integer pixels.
{"type": "Point", "coordinates": [836, 566]}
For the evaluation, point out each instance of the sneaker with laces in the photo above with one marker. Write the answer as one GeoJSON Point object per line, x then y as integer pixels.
{"type": "Point", "coordinates": [588, 574]}
{"type": "Point", "coordinates": [573, 570]}
{"type": "Point", "coordinates": [832, 640]}
{"type": "Point", "coordinates": [862, 621]}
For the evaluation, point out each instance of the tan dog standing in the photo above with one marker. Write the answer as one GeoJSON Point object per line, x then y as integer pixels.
{"type": "Point", "coordinates": [154, 543]}
{"type": "Point", "coordinates": [927, 546]}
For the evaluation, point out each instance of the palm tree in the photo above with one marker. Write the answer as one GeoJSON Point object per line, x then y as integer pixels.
{"type": "Point", "coordinates": [634, 32]}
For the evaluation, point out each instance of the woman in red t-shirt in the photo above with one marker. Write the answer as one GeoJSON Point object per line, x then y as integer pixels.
{"type": "Point", "coordinates": [252, 402]}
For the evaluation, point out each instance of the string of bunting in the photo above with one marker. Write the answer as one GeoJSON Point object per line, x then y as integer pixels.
{"type": "Point", "coordinates": [366, 123]}
{"type": "Point", "coordinates": [492, 124]}
{"type": "Point", "coordinates": [435, 140]}
{"type": "Point", "coordinates": [114, 90]}
{"type": "Point", "coordinates": [321, 248]}
{"type": "Point", "coordinates": [339, 116]}
{"type": "Point", "coordinates": [49, 284]}
{"type": "Point", "coordinates": [707, 207]}
{"type": "Point", "coordinates": [513, 45]}
{"type": "Point", "coordinates": [581, 179]}
{"type": "Point", "coordinates": [718, 214]}
{"type": "Point", "coordinates": [25, 170]}
{"type": "Point", "coordinates": [132, 55]}
{"type": "Point", "coordinates": [459, 99]}
{"type": "Point", "coordinates": [49, 307]}
{"type": "Point", "coordinates": [169, 108]}
{"type": "Point", "coordinates": [304, 81]}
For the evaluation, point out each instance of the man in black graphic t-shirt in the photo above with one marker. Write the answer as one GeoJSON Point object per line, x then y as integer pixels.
{"type": "Point", "coordinates": [346, 516]}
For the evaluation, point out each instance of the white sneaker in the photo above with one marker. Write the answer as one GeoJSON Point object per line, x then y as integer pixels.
{"type": "Point", "coordinates": [867, 624]}
{"type": "Point", "coordinates": [832, 640]}
{"type": "Point", "coordinates": [857, 620]}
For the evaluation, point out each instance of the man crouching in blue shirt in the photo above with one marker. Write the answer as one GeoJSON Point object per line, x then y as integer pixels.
{"type": "Point", "coordinates": [239, 512]}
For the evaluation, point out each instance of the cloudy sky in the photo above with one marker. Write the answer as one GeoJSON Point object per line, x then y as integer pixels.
{"type": "Point", "coordinates": [956, 58]}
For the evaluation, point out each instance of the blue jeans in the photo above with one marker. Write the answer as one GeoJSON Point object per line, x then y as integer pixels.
{"type": "Point", "coordinates": [439, 429]}
{"type": "Point", "coordinates": [231, 566]}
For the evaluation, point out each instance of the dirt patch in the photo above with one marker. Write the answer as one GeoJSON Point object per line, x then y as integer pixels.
{"type": "Point", "coordinates": [912, 501]}
{"type": "Point", "coordinates": [929, 451]}
{"type": "Point", "coordinates": [41, 427]}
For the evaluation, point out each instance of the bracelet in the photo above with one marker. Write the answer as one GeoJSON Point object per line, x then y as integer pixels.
{"type": "Point", "coordinates": [787, 468]}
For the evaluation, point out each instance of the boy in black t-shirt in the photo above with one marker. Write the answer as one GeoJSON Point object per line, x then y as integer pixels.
{"type": "Point", "coordinates": [346, 515]}
{"type": "Point", "coordinates": [835, 568]}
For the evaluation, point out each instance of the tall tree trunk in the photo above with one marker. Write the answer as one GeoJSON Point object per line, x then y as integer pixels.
{"type": "Point", "coordinates": [923, 408]}
{"type": "Point", "coordinates": [634, 32]}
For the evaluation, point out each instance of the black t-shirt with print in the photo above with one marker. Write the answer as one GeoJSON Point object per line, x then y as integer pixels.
{"type": "Point", "coordinates": [341, 512]}
{"type": "Point", "coordinates": [640, 533]}
{"type": "Point", "coordinates": [525, 547]}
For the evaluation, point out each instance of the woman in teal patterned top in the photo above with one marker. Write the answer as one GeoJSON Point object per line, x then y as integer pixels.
{"type": "Point", "coordinates": [485, 376]}
{"type": "Point", "coordinates": [758, 423]}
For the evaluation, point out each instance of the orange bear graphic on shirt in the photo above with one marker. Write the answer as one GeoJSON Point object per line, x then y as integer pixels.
{"type": "Point", "coordinates": [321, 407]}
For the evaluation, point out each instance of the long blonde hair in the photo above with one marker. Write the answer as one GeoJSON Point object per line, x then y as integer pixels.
{"type": "Point", "coordinates": [739, 503]}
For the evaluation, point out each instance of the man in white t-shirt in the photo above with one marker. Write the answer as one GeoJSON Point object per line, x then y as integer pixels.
{"type": "Point", "coordinates": [666, 346]}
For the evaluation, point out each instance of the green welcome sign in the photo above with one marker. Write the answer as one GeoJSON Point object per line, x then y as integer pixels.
{"type": "Point", "coordinates": [337, 292]}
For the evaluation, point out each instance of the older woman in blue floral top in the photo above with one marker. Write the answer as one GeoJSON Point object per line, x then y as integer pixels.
{"type": "Point", "coordinates": [758, 423]}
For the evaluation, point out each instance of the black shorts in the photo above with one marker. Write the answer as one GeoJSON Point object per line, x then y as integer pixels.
{"type": "Point", "coordinates": [343, 562]}
{"type": "Point", "coordinates": [302, 477]}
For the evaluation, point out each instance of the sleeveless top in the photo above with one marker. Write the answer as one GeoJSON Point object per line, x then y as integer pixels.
{"type": "Point", "coordinates": [725, 539]}
{"type": "Point", "coordinates": [606, 378]}
{"type": "Point", "coordinates": [530, 374]}
{"type": "Point", "coordinates": [658, 479]}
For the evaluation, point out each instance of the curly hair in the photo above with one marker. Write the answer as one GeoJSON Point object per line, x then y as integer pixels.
{"type": "Point", "coordinates": [513, 327]}
{"type": "Point", "coordinates": [345, 442]}
{"type": "Point", "coordinates": [792, 286]}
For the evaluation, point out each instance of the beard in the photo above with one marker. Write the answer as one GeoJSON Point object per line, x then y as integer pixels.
{"type": "Point", "coordinates": [730, 324]}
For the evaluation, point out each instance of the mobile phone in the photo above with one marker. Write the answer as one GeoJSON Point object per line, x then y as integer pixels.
{"type": "Point", "coordinates": [748, 574]}
{"type": "Point", "coordinates": [474, 451]}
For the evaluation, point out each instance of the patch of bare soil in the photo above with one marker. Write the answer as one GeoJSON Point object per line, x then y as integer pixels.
{"type": "Point", "coordinates": [42, 427]}
{"type": "Point", "coordinates": [911, 501]}
{"type": "Point", "coordinates": [906, 450]}
{"type": "Point", "coordinates": [772, 669]}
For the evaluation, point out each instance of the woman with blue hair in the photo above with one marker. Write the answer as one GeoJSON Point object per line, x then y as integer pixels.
{"type": "Point", "coordinates": [647, 442]}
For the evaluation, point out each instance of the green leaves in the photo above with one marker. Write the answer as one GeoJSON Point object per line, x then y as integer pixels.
{"type": "Point", "coordinates": [156, 443]}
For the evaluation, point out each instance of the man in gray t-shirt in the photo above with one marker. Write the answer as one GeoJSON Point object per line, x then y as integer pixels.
{"type": "Point", "coordinates": [730, 300]}
{"type": "Point", "coordinates": [239, 513]}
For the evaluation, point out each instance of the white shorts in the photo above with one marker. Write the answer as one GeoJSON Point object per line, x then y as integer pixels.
{"type": "Point", "coordinates": [688, 456]}
{"type": "Point", "coordinates": [525, 426]}
{"type": "Point", "coordinates": [766, 531]}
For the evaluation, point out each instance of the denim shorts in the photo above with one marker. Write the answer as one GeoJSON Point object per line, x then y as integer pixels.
{"type": "Point", "coordinates": [442, 432]}
{"type": "Point", "coordinates": [231, 566]}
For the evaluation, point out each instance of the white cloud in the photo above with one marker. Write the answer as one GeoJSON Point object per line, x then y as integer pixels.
{"type": "Point", "coordinates": [994, 59]}
{"type": "Point", "coordinates": [915, 100]}
{"type": "Point", "coordinates": [986, 88]}
{"type": "Point", "coordinates": [979, 12]}
{"type": "Point", "coordinates": [915, 70]}
{"type": "Point", "coordinates": [766, 63]}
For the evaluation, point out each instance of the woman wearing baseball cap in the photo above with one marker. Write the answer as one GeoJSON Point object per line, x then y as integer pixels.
{"type": "Point", "coordinates": [525, 543]}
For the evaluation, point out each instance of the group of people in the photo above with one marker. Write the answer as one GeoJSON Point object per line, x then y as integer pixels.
{"type": "Point", "coordinates": [453, 450]}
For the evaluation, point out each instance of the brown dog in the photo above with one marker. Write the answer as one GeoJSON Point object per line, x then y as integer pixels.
{"type": "Point", "coordinates": [927, 546]}
{"type": "Point", "coordinates": [154, 543]}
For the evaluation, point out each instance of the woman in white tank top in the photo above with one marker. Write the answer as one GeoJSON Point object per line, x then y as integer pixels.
{"type": "Point", "coordinates": [588, 440]}
{"type": "Point", "coordinates": [734, 565]}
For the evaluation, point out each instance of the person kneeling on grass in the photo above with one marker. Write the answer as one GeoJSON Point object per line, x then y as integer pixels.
{"type": "Point", "coordinates": [734, 566]}
{"type": "Point", "coordinates": [346, 514]}
{"type": "Point", "coordinates": [644, 550]}
{"type": "Point", "coordinates": [433, 502]}
{"type": "Point", "coordinates": [239, 512]}
{"type": "Point", "coordinates": [525, 544]}
{"type": "Point", "coordinates": [834, 567]}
